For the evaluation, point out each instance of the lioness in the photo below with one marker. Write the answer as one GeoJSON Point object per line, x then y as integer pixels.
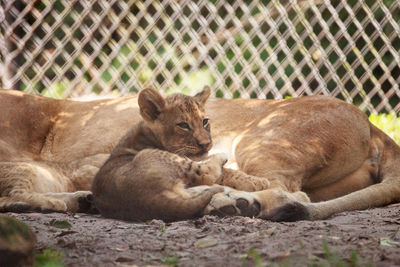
{"type": "Point", "coordinates": [316, 148]}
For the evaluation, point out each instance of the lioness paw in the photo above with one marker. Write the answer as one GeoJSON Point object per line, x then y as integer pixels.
{"type": "Point", "coordinates": [229, 203]}
{"type": "Point", "coordinates": [289, 212]}
{"type": "Point", "coordinates": [80, 201]}
{"type": "Point", "coordinates": [86, 204]}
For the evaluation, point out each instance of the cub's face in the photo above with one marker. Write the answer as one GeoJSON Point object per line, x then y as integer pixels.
{"type": "Point", "coordinates": [178, 121]}
{"type": "Point", "coordinates": [184, 128]}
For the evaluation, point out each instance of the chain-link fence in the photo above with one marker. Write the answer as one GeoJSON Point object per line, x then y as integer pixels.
{"type": "Point", "coordinates": [265, 49]}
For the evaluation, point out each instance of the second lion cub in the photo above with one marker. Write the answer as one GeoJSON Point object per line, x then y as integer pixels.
{"type": "Point", "coordinates": [149, 174]}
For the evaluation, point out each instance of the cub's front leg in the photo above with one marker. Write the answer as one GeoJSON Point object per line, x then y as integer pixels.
{"type": "Point", "coordinates": [211, 171]}
{"type": "Point", "coordinates": [205, 172]}
{"type": "Point", "coordinates": [242, 181]}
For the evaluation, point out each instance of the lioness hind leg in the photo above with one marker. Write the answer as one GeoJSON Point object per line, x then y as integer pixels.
{"type": "Point", "coordinates": [376, 195]}
{"type": "Point", "coordinates": [383, 193]}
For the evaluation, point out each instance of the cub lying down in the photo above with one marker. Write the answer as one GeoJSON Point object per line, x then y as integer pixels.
{"type": "Point", "coordinates": [149, 174]}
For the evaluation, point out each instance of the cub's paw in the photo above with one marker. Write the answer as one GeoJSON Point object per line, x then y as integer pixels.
{"type": "Point", "coordinates": [229, 203]}
{"type": "Point", "coordinates": [219, 158]}
{"type": "Point", "coordinates": [210, 170]}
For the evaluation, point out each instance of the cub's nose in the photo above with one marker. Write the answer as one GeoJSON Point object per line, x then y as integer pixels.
{"type": "Point", "coordinates": [205, 144]}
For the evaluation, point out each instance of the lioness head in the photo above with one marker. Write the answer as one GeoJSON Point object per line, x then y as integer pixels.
{"type": "Point", "coordinates": [178, 121]}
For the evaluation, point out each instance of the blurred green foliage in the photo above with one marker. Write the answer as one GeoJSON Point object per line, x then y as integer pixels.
{"type": "Point", "coordinates": [49, 258]}
{"type": "Point", "coordinates": [56, 90]}
{"type": "Point", "coordinates": [389, 123]}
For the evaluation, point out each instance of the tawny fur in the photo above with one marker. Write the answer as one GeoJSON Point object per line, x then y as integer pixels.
{"type": "Point", "coordinates": [317, 148]}
{"type": "Point", "coordinates": [152, 160]}
{"type": "Point", "coordinates": [155, 158]}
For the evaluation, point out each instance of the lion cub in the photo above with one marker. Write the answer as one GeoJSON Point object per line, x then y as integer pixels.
{"type": "Point", "coordinates": [149, 174]}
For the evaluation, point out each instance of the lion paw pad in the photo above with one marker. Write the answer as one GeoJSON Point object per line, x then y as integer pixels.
{"type": "Point", "coordinates": [86, 204]}
{"type": "Point", "coordinates": [233, 203]}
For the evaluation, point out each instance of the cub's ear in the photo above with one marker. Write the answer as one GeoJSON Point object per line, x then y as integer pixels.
{"type": "Point", "coordinates": [151, 104]}
{"type": "Point", "coordinates": [202, 97]}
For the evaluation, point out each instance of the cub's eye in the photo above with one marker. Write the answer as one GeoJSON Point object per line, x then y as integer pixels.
{"type": "Point", "coordinates": [184, 126]}
{"type": "Point", "coordinates": [205, 122]}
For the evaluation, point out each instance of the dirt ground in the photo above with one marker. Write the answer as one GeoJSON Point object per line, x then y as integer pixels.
{"type": "Point", "coordinates": [362, 238]}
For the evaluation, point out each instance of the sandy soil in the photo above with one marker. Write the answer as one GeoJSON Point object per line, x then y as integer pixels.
{"type": "Point", "coordinates": [212, 241]}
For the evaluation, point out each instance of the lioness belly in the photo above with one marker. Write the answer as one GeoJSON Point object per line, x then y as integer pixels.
{"type": "Point", "coordinates": [359, 179]}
